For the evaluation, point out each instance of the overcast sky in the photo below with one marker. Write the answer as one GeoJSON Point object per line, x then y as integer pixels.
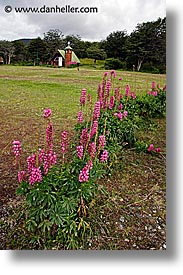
{"type": "Point", "coordinates": [112, 15]}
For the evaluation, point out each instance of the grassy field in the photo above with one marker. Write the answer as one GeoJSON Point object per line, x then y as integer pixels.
{"type": "Point", "coordinates": [132, 214]}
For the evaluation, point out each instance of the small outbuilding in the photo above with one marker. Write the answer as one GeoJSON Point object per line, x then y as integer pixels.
{"type": "Point", "coordinates": [64, 58]}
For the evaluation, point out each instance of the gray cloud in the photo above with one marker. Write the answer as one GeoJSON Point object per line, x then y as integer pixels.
{"type": "Point", "coordinates": [112, 15]}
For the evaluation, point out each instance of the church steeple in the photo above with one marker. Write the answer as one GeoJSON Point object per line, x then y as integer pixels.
{"type": "Point", "coordinates": [68, 54]}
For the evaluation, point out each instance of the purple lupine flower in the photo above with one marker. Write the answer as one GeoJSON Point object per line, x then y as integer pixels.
{"type": "Point", "coordinates": [80, 117]}
{"type": "Point", "coordinates": [35, 175]}
{"type": "Point", "coordinates": [84, 174]}
{"type": "Point", "coordinates": [79, 150]}
{"type": "Point", "coordinates": [96, 114]}
{"type": "Point", "coordinates": [47, 113]}
{"type": "Point", "coordinates": [83, 97]}
{"type": "Point", "coordinates": [111, 102]}
{"type": "Point", "coordinates": [104, 156]}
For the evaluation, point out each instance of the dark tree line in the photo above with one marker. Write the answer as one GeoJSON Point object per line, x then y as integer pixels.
{"type": "Point", "coordinates": [143, 49]}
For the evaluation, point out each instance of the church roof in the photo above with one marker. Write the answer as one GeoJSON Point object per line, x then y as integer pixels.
{"type": "Point", "coordinates": [74, 57]}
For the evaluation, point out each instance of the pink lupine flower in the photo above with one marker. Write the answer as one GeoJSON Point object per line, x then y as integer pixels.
{"type": "Point", "coordinates": [79, 150]}
{"type": "Point", "coordinates": [41, 156]}
{"type": "Point", "coordinates": [104, 156]}
{"type": "Point", "coordinates": [84, 137]}
{"type": "Point", "coordinates": [120, 78]}
{"type": "Point", "coordinates": [52, 158]}
{"type": "Point", "coordinates": [46, 164]}
{"type": "Point", "coordinates": [83, 97]}
{"type": "Point", "coordinates": [120, 97]}
{"type": "Point", "coordinates": [99, 89]}
{"type": "Point", "coordinates": [49, 159]}
{"type": "Point", "coordinates": [90, 164]}
{"type": "Point", "coordinates": [154, 93]}
{"type": "Point", "coordinates": [113, 73]}
{"type": "Point", "coordinates": [153, 85]}
{"type": "Point", "coordinates": [125, 113]}
{"type": "Point", "coordinates": [158, 86]}
{"type": "Point", "coordinates": [115, 114]}
{"type": "Point", "coordinates": [105, 74]}
{"type": "Point", "coordinates": [120, 116]}
{"type": "Point", "coordinates": [21, 176]}
{"type": "Point", "coordinates": [158, 150]}
{"type": "Point", "coordinates": [108, 87]}
{"type": "Point", "coordinates": [111, 103]}
{"type": "Point", "coordinates": [164, 88]}
{"type": "Point", "coordinates": [94, 128]}
{"type": "Point", "coordinates": [49, 136]}
{"type": "Point", "coordinates": [64, 142]}
{"type": "Point", "coordinates": [133, 95]}
{"type": "Point", "coordinates": [47, 113]}
{"type": "Point", "coordinates": [31, 162]}
{"type": "Point", "coordinates": [17, 148]}
{"type": "Point", "coordinates": [127, 90]}
{"type": "Point", "coordinates": [116, 91]}
{"type": "Point", "coordinates": [102, 142]}
{"type": "Point", "coordinates": [92, 150]}
{"type": "Point", "coordinates": [150, 148]}
{"type": "Point", "coordinates": [96, 114]}
{"type": "Point", "coordinates": [149, 92]}
{"type": "Point", "coordinates": [35, 175]}
{"type": "Point", "coordinates": [80, 117]}
{"type": "Point", "coordinates": [120, 106]}
{"type": "Point", "coordinates": [84, 174]}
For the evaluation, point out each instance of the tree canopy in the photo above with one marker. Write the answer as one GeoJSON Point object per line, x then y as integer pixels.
{"type": "Point", "coordinates": [144, 48]}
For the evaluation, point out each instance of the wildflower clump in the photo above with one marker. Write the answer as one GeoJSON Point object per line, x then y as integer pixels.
{"type": "Point", "coordinates": [60, 185]}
